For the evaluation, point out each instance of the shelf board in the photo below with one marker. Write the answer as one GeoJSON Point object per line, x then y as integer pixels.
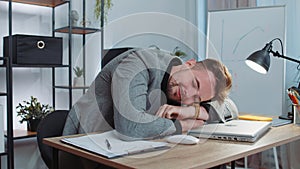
{"type": "Point", "coordinates": [20, 134]}
{"type": "Point", "coordinates": [3, 153]}
{"type": "Point", "coordinates": [3, 94]}
{"type": "Point", "coordinates": [77, 30]}
{"type": "Point", "coordinates": [38, 66]}
{"type": "Point", "coordinates": [47, 3]}
{"type": "Point", "coordinates": [71, 87]}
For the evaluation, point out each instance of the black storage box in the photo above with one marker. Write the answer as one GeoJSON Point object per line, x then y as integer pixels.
{"type": "Point", "coordinates": [34, 50]}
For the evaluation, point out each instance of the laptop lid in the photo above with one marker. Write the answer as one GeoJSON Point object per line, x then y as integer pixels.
{"type": "Point", "coordinates": [235, 130]}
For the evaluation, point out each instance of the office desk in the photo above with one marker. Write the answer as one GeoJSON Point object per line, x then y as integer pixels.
{"type": "Point", "coordinates": [206, 154]}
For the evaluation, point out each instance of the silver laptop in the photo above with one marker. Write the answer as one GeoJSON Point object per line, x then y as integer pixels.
{"type": "Point", "coordinates": [235, 130]}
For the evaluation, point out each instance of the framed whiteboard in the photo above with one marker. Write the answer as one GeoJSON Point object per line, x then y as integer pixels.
{"type": "Point", "coordinates": [232, 35]}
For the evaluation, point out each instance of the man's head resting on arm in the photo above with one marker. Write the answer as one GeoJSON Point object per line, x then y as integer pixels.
{"type": "Point", "coordinates": [198, 82]}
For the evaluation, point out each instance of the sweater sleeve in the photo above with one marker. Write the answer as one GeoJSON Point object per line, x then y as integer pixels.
{"type": "Point", "coordinates": [221, 111]}
{"type": "Point", "coordinates": [135, 105]}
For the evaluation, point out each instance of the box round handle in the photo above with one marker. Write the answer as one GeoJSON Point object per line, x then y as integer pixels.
{"type": "Point", "coordinates": [40, 44]}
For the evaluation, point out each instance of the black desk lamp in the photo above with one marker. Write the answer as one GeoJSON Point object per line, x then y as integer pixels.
{"type": "Point", "coordinates": [260, 62]}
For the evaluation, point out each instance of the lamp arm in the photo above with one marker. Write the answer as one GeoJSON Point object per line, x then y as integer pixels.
{"type": "Point", "coordinates": [277, 54]}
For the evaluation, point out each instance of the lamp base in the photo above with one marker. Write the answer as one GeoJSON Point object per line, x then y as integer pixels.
{"type": "Point", "coordinates": [287, 116]}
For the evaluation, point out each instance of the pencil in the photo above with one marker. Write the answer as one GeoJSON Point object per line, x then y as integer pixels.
{"type": "Point", "coordinates": [293, 98]}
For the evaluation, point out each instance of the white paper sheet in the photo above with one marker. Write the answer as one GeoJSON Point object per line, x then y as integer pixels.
{"type": "Point", "coordinates": [97, 143]}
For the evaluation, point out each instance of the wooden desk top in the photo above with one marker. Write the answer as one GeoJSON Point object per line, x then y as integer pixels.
{"type": "Point", "coordinates": [206, 154]}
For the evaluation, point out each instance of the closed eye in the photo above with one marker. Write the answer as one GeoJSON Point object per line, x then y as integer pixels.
{"type": "Point", "coordinates": [198, 84]}
{"type": "Point", "coordinates": [198, 98]}
{"type": "Point", "coordinates": [195, 83]}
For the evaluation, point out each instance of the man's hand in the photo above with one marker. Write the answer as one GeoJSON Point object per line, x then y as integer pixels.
{"type": "Point", "coordinates": [180, 112]}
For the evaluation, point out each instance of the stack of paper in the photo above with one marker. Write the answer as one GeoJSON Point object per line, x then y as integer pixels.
{"type": "Point", "coordinates": [109, 145]}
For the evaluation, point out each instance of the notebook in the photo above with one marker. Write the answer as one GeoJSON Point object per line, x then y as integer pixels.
{"type": "Point", "coordinates": [234, 130]}
{"type": "Point", "coordinates": [109, 145]}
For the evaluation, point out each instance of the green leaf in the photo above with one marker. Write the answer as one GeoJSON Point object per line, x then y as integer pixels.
{"type": "Point", "coordinates": [32, 110]}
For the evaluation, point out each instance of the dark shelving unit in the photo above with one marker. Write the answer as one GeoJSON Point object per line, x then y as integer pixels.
{"type": "Point", "coordinates": [82, 31]}
{"type": "Point", "coordinates": [7, 64]}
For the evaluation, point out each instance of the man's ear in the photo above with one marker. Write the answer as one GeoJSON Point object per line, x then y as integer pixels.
{"type": "Point", "coordinates": [190, 63]}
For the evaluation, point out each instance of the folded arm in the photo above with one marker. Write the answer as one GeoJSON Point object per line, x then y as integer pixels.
{"type": "Point", "coordinates": [221, 111]}
{"type": "Point", "coordinates": [187, 115]}
{"type": "Point", "coordinates": [135, 103]}
{"type": "Point", "coordinates": [209, 112]}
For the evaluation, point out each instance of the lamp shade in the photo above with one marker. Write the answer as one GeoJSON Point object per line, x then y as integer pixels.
{"type": "Point", "coordinates": [260, 60]}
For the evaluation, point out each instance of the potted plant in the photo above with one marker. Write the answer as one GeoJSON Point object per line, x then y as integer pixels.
{"type": "Point", "coordinates": [97, 10]}
{"type": "Point", "coordinates": [178, 52]}
{"type": "Point", "coordinates": [32, 112]}
{"type": "Point", "coordinates": [78, 80]}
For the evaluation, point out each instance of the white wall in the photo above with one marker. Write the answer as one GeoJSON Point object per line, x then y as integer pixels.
{"type": "Point", "coordinates": [37, 21]}
{"type": "Point", "coordinates": [135, 23]}
{"type": "Point", "coordinates": [166, 24]}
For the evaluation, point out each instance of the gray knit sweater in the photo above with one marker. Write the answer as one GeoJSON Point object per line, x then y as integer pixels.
{"type": "Point", "coordinates": [126, 95]}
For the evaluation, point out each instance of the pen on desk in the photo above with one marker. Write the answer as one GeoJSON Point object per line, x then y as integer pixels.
{"type": "Point", "coordinates": [108, 145]}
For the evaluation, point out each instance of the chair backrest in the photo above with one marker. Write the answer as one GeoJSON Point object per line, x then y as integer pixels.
{"type": "Point", "coordinates": [110, 54]}
{"type": "Point", "coordinates": [50, 126]}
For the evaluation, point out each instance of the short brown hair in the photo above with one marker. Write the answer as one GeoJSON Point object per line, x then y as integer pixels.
{"type": "Point", "coordinates": [222, 75]}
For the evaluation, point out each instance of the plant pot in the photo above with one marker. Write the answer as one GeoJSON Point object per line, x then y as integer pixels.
{"type": "Point", "coordinates": [33, 124]}
{"type": "Point", "coordinates": [78, 81]}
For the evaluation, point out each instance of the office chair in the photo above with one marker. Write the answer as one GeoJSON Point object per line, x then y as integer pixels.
{"type": "Point", "coordinates": [110, 54]}
{"type": "Point", "coordinates": [50, 126]}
